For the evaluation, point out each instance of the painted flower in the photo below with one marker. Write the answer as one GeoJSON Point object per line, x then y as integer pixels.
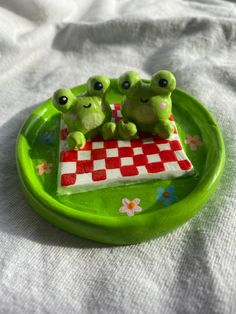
{"type": "Point", "coordinates": [166, 195]}
{"type": "Point", "coordinates": [44, 168]}
{"type": "Point", "coordinates": [130, 207]}
{"type": "Point", "coordinates": [47, 138]}
{"type": "Point", "coordinates": [193, 141]}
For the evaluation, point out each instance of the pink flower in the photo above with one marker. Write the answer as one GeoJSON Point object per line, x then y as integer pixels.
{"type": "Point", "coordinates": [130, 207]}
{"type": "Point", "coordinates": [193, 141]}
{"type": "Point", "coordinates": [44, 168]}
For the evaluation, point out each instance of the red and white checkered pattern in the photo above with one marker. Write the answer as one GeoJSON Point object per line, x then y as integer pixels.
{"type": "Point", "coordinates": [113, 162]}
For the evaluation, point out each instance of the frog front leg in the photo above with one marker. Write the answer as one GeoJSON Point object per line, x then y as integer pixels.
{"type": "Point", "coordinates": [109, 130]}
{"type": "Point", "coordinates": [126, 129]}
{"type": "Point", "coordinates": [76, 140]}
{"type": "Point", "coordinates": [164, 128]}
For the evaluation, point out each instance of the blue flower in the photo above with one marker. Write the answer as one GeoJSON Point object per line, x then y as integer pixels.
{"type": "Point", "coordinates": [166, 195]}
{"type": "Point", "coordinates": [47, 138]}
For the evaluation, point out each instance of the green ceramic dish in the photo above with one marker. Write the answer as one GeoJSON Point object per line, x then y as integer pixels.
{"type": "Point", "coordinates": [95, 215]}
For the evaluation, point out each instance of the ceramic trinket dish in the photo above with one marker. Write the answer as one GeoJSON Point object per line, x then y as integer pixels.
{"type": "Point", "coordinates": [124, 182]}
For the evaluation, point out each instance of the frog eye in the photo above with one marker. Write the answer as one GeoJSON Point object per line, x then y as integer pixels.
{"type": "Point", "coordinates": [62, 100]}
{"type": "Point", "coordinates": [127, 80]}
{"type": "Point", "coordinates": [125, 85]}
{"type": "Point", "coordinates": [98, 85]}
{"type": "Point", "coordinates": [163, 82]}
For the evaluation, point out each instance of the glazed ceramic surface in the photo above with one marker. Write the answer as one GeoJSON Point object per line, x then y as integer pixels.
{"type": "Point", "coordinates": [122, 214]}
{"type": "Point", "coordinates": [147, 105]}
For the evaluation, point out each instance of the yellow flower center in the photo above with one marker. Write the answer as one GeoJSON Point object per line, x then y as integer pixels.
{"type": "Point", "coordinates": [193, 141]}
{"type": "Point", "coordinates": [131, 205]}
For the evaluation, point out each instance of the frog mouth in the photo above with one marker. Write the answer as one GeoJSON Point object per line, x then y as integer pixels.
{"type": "Point", "coordinates": [144, 100]}
{"type": "Point", "coordinates": [87, 106]}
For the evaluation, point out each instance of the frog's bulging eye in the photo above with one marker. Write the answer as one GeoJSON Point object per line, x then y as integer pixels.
{"type": "Point", "coordinates": [125, 85]}
{"type": "Point", "coordinates": [98, 86]}
{"type": "Point", "coordinates": [163, 83]}
{"type": "Point", "coordinates": [62, 100]}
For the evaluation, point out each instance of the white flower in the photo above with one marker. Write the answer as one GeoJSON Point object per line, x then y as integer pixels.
{"type": "Point", "coordinates": [130, 207]}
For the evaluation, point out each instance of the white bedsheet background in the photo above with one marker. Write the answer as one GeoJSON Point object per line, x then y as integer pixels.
{"type": "Point", "coordinates": [48, 44]}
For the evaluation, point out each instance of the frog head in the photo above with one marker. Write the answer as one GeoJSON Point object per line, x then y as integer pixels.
{"type": "Point", "coordinates": [84, 112]}
{"type": "Point", "coordinates": [146, 103]}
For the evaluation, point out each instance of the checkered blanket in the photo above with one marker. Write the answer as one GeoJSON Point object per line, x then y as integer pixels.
{"type": "Point", "coordinates": [103, 163]}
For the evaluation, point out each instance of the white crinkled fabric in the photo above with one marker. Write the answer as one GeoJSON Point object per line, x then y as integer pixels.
{"type": "Point", "coordinates": [48, 44]}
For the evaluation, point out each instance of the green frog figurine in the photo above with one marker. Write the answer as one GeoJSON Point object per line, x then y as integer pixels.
{"type": "Point", "coordinates": [146, 106]}
{"type": "Point", "coordinates": [86, 115]}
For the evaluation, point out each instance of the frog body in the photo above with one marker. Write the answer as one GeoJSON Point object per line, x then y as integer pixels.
{"type": "Point", "coordinates": [146, 106]}
{"type": "Point", "coordinates": [86, 115]}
